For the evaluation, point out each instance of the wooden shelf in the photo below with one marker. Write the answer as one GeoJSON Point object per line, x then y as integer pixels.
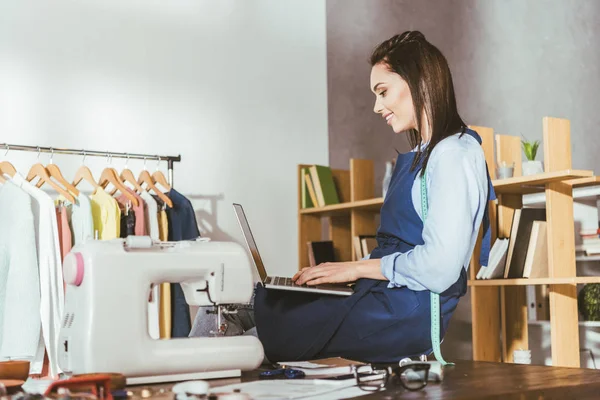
{"type": "Point", "coordinates": [373, 205]}
{"type": "Point", "coordinates": [499, 306]}
{"type": "Point", "coordinates": [537, 183]}
{"type": "Point", "coordinates": [535, 281]}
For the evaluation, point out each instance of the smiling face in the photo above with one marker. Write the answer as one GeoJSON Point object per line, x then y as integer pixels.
{"type": "Point", "coordinates": [393, 100]}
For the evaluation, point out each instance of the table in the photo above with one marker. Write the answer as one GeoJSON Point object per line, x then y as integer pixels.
{"type": "Point", "coordinates": [474, 380]}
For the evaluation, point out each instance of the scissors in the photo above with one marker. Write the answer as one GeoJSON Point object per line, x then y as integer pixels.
{"type": "Point", "coordinates": [289, 373]}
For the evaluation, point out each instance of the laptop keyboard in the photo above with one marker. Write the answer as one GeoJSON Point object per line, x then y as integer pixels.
{"type": "Point", "coordinates": [281, 281]}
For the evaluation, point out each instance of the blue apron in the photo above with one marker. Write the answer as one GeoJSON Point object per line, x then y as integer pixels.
{"type": "Point", "coordinates": [376, 323]}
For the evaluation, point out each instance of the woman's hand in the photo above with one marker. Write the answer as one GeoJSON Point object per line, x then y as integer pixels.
{"type": "Point", "coordinates": [339, 272]}
{"type": "Point", "coordinates": [330, 272]}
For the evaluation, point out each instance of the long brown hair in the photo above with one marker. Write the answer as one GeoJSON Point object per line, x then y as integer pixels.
{"type": "Point", "coordinates": [425, 70]}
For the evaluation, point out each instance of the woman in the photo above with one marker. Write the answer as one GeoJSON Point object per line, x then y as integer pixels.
{"type": "Point", "coordinates": [388, 316]}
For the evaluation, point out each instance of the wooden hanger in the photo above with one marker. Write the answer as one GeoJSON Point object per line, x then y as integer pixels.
{"type": "Point", "coordinates": [84, 173]}
{"type": "Point", "coordinates": [55, 173]}
{"type": "Point", "coordinates": [127, 176]}
{"type": "Point", "coordinates": [39, 171]}
{"type": "Point", "coordinates": [146, 178]}
{"type": "Point", "coordinates": [6, 168]}
{"type": "Point", "coordinates": [109, 175]}
{"type": "Point", "coordinates": [159, 177]}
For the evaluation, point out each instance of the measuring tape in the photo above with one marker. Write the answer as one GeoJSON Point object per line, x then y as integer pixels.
{"type": "Point", "coordinates": [434, 297]}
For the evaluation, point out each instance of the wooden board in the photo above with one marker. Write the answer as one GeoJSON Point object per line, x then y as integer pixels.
{"type": "Point", "coordinates": [536, 183]}
{"type": "Point", "coordinates": [371, 205]}
{"type": "Point", "coordinates": [535, 281]}
{"type": "Point", "coordinates": [561, 263]}
{"type": "Point", "coordinates": [341, 178]}
{"type": "Point", "coordinates": [339, 232]}
{"type": "Point", "coordinates": [515, 334]}
{"type": "Point", "coordinates": [557, 144]}
{"type": "Point", "coordinates": [508, 149]}
{"type": "Point", "coordinates": [487, 143]}
{"type": "Point", "coordinates": [362, 179]}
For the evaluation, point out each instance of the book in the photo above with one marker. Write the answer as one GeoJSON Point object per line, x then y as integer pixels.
{"type": "Point", "coordinates": [497, 260]}
{"type": "Point", "coordinates": [512, 239]}
{"type": "Point", "coordinates": [320, 252]}
{"type": "Point", "coordinates": [310, 188]}
{"type": "Point", "coordinates": [536, 262]}
{"type": "Point", "coordinates": [357, 247]}
{"type": "Point", "coordinates": [367, 243]}
{"type": "Point", "coordinates": [325, 366]}
{"type": "Point", "coordinates": [324, 185]}
{"type": "Point", "coordinates": [483, 271]}
{"type": "Point", "coordinates": [521, 240]}
{"type": "Point", "coordinates": [305, 196]}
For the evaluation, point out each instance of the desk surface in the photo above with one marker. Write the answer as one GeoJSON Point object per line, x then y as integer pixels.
{"type": "Point", "coordinates": [477, 380]}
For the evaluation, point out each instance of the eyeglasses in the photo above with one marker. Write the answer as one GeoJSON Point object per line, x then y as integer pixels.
{"type": "Point", "coordinates": [412, 376]}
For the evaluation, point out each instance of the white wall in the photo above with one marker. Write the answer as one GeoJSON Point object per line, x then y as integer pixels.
{"type": "Point", "coordinates": [238, 88]}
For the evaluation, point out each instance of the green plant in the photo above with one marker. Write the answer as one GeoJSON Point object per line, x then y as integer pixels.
{"type": "Point", "coordinates": [588, 302]}
{"type": "Point", "coordinates": [530, 148]}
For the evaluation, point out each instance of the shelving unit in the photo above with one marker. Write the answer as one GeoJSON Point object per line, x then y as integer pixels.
{"type": "Point", "coordinates": [355, 215]}
{"type": "Point", "coordinates": [499, 308]}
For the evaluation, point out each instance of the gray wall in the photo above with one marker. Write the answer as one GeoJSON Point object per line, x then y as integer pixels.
{"type": "Point", "coordinates": [513, 62]}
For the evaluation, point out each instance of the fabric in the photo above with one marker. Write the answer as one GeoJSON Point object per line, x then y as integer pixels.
{"type": "Point", "coordinates": [151, 222]}
{"type": "Point", "coordinates": [151, 215]}
{"type": "Point", "coordinates": [80, 218]}
{"type": "Point", "coordinates": [19, 277]}
{"type": "Point", "coordinates": [457, 186]}
{"type": "Point", "coordinates": [139, 212]}
{"type": "Point", "coordinates": [127, 221]}
{"type": "Point", "coordinates": [377, 323]}
{"type": "Point", "coordinates": [164, 307]}
{"type": "Point", "coordinates": [64, 232]}
{"type": "Point", "coordinates": [106, 215]}
{"type": "Point", "coordinates": [182, 226]}
{"type": "Point", "coordinates": [50, 275]}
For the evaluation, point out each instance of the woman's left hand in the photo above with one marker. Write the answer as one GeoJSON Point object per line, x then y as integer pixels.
{"type": "Point", "coordinates": [330, 272]}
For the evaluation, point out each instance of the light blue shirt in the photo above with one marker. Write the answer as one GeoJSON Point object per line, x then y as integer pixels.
{"type": "Point", "coordinates": [457, 195]}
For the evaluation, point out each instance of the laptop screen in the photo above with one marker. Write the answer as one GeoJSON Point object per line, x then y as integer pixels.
{"type": "Point", "coordinates": [243, 221]}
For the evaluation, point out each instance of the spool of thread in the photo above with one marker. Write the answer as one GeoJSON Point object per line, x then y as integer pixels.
{"type": "Point", "coordinates": [521, 356]}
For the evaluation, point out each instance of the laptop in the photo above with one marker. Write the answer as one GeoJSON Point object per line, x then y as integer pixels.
{"type": "Point", "coordinates": [278, 282]}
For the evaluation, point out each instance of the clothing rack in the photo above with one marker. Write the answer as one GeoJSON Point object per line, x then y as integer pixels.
{"type": "Point", "coordinates": [110, 154]}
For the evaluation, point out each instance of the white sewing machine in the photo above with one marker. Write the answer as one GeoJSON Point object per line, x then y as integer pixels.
{"type": "Point", "coordinates": [105, 326]}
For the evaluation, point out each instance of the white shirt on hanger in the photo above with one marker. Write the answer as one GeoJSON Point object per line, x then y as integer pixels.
{"type": "Point", "coordinates": [151, 218]}
{"type": "Point", "coordinates": [19, 277]}
{"type": "Point", "coordinates": [82, 224]}
{"type": "Point", "coordinates": [50, 273]}
{"type": "Point", "coordinates": [151, 215]}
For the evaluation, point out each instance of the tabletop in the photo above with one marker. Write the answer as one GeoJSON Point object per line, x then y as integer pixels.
{"type": "Point", "coordinates": [467, 380]}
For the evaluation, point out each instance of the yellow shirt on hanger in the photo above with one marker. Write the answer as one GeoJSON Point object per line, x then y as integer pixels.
{"type": "Point", "coordinates": [106, 215]}
{"type": "Point", "coordinates": [164, 310]}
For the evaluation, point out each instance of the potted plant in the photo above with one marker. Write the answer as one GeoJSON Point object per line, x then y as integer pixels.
{"type": "Point", "coordinates": [531, 166]}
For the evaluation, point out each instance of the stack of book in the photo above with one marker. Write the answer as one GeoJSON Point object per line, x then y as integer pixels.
{"type": "Point", "coordinates": [525, 253]}
{"type": "Point", "coordinates": [363, 245]}
{"type": "Point", "coordinates": [590, 242]}
{"type": "Point", "coordinates": [318, 187]}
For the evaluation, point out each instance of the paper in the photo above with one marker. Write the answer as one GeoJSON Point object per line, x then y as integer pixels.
{"type": "Point", "coordinates": [36, 386]}
{"type": "Point", "coordinates": [294, 389]}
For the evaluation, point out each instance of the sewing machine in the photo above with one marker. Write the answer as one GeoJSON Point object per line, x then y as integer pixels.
{"type": "Point", "coordinates": [105, 326]}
